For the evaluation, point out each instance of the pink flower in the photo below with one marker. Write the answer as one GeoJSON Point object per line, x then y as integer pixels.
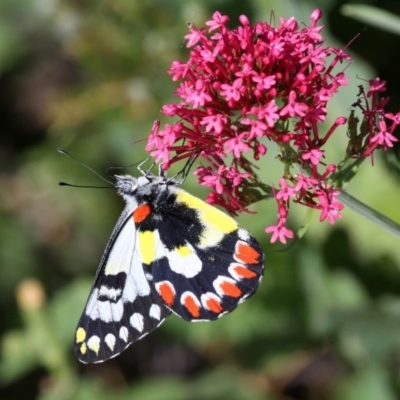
{"type": "Point", "coordinates": [257, 129]}
{"type": "Point", "coordinates": [198, 95]}
{"type": "Point", "coordinates": [294, 108]}
{"type": "Point", "coordinates": [313, 155]}
{"type": "Point", "coordinates": [208, 178]}
{"type": "Point", "coordinates": [393, 117]}
{"type": "Point", "coordinates": [376, 85]}
{"type": "Point", "coordinates": [254, 86]}
{"type": "Point", "coordinates": [280, 233]}
{"type": "Point", "coordinates": [214, 123]}
{"type": "Point", "coordinates": [267, 113]}
{"type": "Point", "coordinates": [237, 145]}
{"type": "Point", "coordinates": [264, 82]}
{"type": "Point", "coordinates": [217, 22]}
{"type": "Point", "coordinates": [330, 206]}
{"type": "Point", "coordinates": [232, 92]}
{"type": "Point", "coordinates": [286, 191]}
{"type": "Point", "coordinates": [384, 138]}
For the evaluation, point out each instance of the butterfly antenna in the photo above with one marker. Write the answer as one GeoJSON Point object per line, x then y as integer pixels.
{"type": "Point", "coordinates": [62, 151]}
{"type": "Point", "coordinates": [85, 186]}
{"type": "Point", "coordinates": [138, 166]}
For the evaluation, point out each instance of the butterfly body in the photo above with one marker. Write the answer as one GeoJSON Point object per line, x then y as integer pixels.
{"type": "Point", "coordinates": [169, 251]}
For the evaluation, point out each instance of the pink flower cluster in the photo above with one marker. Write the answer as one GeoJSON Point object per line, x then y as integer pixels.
{"type": "Point", "coordinates": [244, 88]}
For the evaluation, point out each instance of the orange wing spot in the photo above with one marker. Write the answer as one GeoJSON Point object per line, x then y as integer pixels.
{"type": "Point", "coordinates": [214, 306]}
{"type": "Point", "coordinates": [167, 293]}
{"type": "Point", "coordinates": [230, 289]}
{"type": "Point", "coordinates": [244, 272]}
{"type": "Point", "coordinates": [246, 254]}
{"type": "Point", "coordinates": [192, 306]}
{"type": "Point", "coordinates": [141, 213]}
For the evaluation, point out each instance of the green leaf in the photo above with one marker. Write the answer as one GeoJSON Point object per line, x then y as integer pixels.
{"type": "Point", "coordinates": [373, 16]}
{"type": "Point", "coordinates": [18, 356]}
{"type": "Point", "coordinates": [370, 383]}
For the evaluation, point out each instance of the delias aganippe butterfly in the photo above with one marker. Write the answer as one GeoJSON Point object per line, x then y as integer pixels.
{"type": "Point", "coordinates": [169, 251]}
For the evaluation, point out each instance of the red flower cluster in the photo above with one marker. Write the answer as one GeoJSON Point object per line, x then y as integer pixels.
{"type": "Point", "coordinates": [244, 88]}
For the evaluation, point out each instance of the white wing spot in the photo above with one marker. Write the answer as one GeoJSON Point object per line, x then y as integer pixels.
{"type": "Point", "coordinates": [121, 252]}
{"type": "Point", "coordinates": [243, 234]}
{"type": "Point", "coordinates": [137, 276]}
{"type": "Point", "coordinates": [104, 310]}
{"type": "Point", "coordinates": [110, 293]}
{"type": "Point", "coordinates": [155, 311]}
{"type": "Point", "coordinates": [149, 277]}
{"type": "Point", "coordinates": [124, 333]}
{"type": "Point", "coordinates": [186, 263]}
{"type": "Point", "coordinates": [110, 340]}
{"type": "Point", "coordinates": [94, 344]}
{"type": "Point", "coordinates": [130, 291]}
{"type": "Point", "coordinates": [244, 298]}
{"type": "Point", "coordinates": [136, 321]}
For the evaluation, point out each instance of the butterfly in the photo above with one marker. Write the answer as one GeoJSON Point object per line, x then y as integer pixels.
{"type": "Point", "coordinates": [169, 252]}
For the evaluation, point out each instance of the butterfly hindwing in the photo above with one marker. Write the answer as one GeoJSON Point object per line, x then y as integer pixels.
{"type": "Point", "coordinates": [203, 263]}
{"type": "Point", "coordinates": [122, 306]}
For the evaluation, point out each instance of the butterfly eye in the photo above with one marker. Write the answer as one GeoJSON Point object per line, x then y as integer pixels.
{"type": "Point", "coordinates": [126, 186]}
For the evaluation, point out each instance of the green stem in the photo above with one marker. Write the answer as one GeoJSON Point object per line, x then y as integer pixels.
{"type": "Point", "coordinates": [372, 215]}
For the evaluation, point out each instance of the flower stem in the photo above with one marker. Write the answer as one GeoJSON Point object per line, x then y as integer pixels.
{"type": "Point", "coordinates": [370, 214]}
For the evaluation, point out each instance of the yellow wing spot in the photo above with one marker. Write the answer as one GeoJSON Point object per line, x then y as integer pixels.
{"type": "Point", "coordinates": [184, 251]}
{"type": "Point", "coordinates": [147, 246]}
{"type": "Point", "coordinates": [216, 223]}
{"type": "Point", "coordinates": [83, 348]}
{"type": "Point", "coordinates": [80, 335]}
{"type": "Point", "coordinates": [210, 215]}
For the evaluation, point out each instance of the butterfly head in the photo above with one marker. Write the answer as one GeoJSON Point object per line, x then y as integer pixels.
{"type": "Point", "coordinates": [130, 187]}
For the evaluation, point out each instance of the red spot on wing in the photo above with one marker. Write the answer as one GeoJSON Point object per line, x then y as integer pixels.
{"type": "Point", "coordinates": [141, 213]}
{"type": "Point", "coordinates": [192, 306]}
{"type": "Point", "coordinates": [167, 293]}
{"type": "Point", "coordinates": [246, 254]}
{"type": "Point", "coordinates": [214, 306]}
{"type": "Point", "coordinates": [230, 289]}
{"type": "Point", "coordinates": [244, 272]}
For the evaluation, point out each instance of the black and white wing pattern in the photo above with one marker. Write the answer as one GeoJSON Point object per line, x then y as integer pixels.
{"type": "Point", "coordinates": [203, 264]}
{"type": "Point", "coordinates": [169, 251]}
{"type": "Point", "coordinates": [123, 305]}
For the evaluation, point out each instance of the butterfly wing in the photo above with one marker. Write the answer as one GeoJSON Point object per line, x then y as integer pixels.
{"type": "Point", "coordinates": [122, 306]}
{"type": "Point", "coordinates": [203, 264]}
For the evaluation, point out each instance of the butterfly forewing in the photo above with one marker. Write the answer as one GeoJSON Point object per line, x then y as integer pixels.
{"type": "Point", "coordinates": [122, 306]}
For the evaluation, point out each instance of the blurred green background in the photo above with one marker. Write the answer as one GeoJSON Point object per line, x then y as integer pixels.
{"type": "Point", "coordinates": [90, 76]}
